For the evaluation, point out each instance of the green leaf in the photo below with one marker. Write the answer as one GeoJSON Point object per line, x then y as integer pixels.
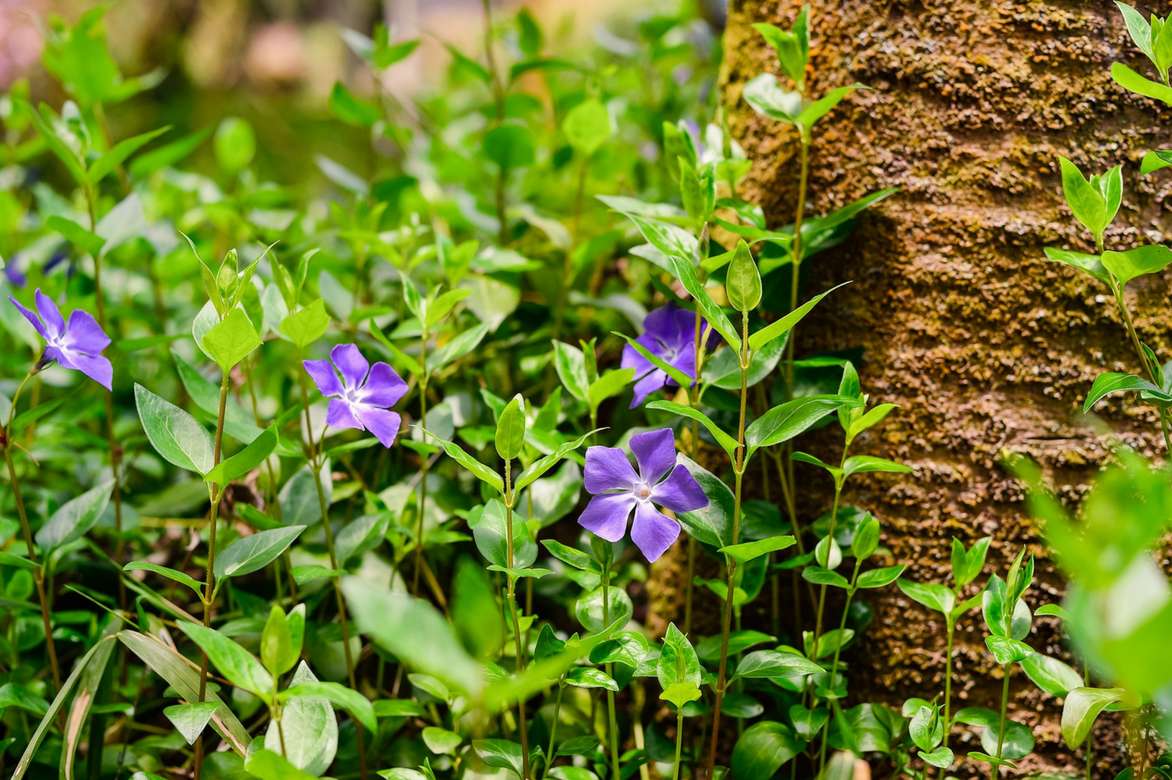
{"type": "Point", "coordinates": [171, 574]}
{"type": "Point", "coordinates": [880, 578]}
{"type": "Point", "coordinates": [783, 325]}
{"type": "Point", "coordinates": [678, 662]}
{"type": "Point", "coordinates": [351, 109]}
{"type": "Point", "coordinates": [1130, 80]}
{"type": "Point", "coordinates": [570, 364]}
{"type": "Point", "coordinates": [587, 126]}
{"type": "Point", "coordinates": [277, 652]}
{"type": "Point", "coordinates": [747, 551]}
{"type": "Point", "coordinates": [764, 748]}
{"type": "Point", "coordinates": [267, 765]}
{"type": "Point", "coordinates": [87, 242]}
{"type": "Point", "coordinates": [1089, 264]}
{"type": "Point", "coordinates": [474, 610]}
{"type": "Point", "coordinates": [685, 272]}
{"type": "Point", "coordinates": [500, 754]}
{"type": "Point", "coordinates": [588, 677]}
{"type": "Point", "coordinates": [230, 340]}
{"type": "Point", "coordinates": [822, 576]}
{"type": "Point", "coordinates": [191, 719]}
{"type": "Point", "coordinates": [306, 325]}
{"type": "Point", "coordinates": [570, 556]}
{"type": "Point", "coordinates": [256, 551]}
{"type": "Point", "coordinates": [458, 347]}
{"type": "Point", "coordinates": [768, 664]}
{"type": "Point", "coordinates": [510, 145]}
{"type": "Point", "coordinates": [235, 144]}
{"type": "Point", "coordinates": [608, 385]}
{"type": "Point", "coordinates": [790, 419]}
{"type": "Point", "coordinates": [1138, 28]}
{"type": "Point", "coordinates": [941, 758]}
{"type": "Point", "coordinates": [174, 433]}
{"type": "Point", "coordinates": [543, 464]}
{"type": "Point", "coordinates": [934, 596]}
{"type": "Point", "coordinates": [167, 154]}
{"type": "Point", "coordinates": [711, 524]}
{"type": "Point", "coordinates": [1140, 261]}
{"type": "Point", "coordinates": [792, 46]}
{"type": "Point", "coordinates": [118, 154]}
{"type": "Point", "coordinates": [240, 667]}
{"type": "Point", "coordinates": [742, 281]}
{"type": "Point", "coordinates": [1081, 708]}
{"type": "Point", "coordinates": [678, 376]}
{"type": "Point", "coordinates": [237, 466]}
{"type": "Point", "coordinates": [310, 728]}
{"type": "Point", "coordinates": [812, 112]}
{"type": "Point", "coordinates": [588, 609]}
{"type": "Point", "coordinates": [726, 442]}
{"type": "Point", "coordinates": [1051, 675]}
{"type": "Point", "coordinates": [1113, 382]}
{"type": "Point", "coordinates": [441, 741]}
{"type": "Point", "coordinates": [75, 517]}
{"type": "Point", "coordinates": [414, 632]}
{"type": "Point", "coordinates": [340, 696]}
{"type": "Point", "coordinates": [510, 429]}
{"type": "Point", "coordinates": [471, 464]}
{"type": "Point", "coordinates": [1155, 160]}
{"type": "Point", "coordinates": [869, 464]}
{"type": "Point", "coordinates": [765, 96]}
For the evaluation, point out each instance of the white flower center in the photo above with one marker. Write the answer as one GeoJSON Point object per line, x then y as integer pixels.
{"type": "Point", "coordinates": [642, 491]}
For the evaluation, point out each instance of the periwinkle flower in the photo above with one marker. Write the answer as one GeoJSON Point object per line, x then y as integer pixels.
{"type": "Point", "coordinates": [360, 394]}
{"type": "Point", "coordinates": [76, 344]}
{"type": "Point", "coordinates": [669, 333]}
{"type": "Point", "coordinates": [617, 489]}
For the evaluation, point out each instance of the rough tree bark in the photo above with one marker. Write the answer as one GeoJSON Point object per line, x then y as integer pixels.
{"type": "Point", "coordinates": [986, 347]}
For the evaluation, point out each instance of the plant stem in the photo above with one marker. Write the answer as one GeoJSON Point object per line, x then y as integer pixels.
{"type": "Point", "coordinates": [425, 462]}
{"type": "Point", "coordinates": [315, 465]}
{"type": "Point", "coordinates": [612, 732]}
{"type": "Point", "coordinates": [498, 94]}
{"type": "Point", "coordinates": [730, 564]}
{"type": "Point", "coordinates": [838, 482]}
{"type": "Point", "coordinates": [950, 634]}
{"type": "Point", "coordinates": [850, 594]}
{"type": "Point", "coordinates": [512, 599]}
{"type": "Point", "coordinates": [1007, 669]}
{"type": "Point", "coordinates": [1145, 365]}
{"type": "Point", "coordinates": [215, 493]}
{"type": "Point", "coordinates": [553, 730]}
{"type": "Point", "coordinates": [26, 530]}
{"type": "Point", "coordinates": [675, 775]}
{"type": "Point", "coordinates": [796, 253]}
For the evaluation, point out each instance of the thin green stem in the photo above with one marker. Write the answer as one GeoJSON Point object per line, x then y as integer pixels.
{"type": "Point", "coordinates": [553, 730]}
{"type": "Point", "coordinates": [950, 634]}
{"type": "Point", "coordinates": [1145, 364]}
{"type": "Point", "coordinates": [612, 731]}
{"type": "Point", "coordinates": [730, 564]}
{"type": "Point", "coordinates": [1008, 670]}
{"type": "Point", "coordinates": [796, 253]}
{"type": "Point", "coordinates": [215, 493]}
{"type": "Point", "coordinates": [315, 465]}
{"type": "Point", "coordinates": [838, 482]}
{"type": "Point", "coordinates": [675, 775]}
{"type": "Point", "coordinates": [518, 646]}
{"type": "Point", "coordinates": [850, 594]}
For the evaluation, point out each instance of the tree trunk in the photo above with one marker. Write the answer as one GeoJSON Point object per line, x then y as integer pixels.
{"type": "Point", "coordinates": [986, 347]}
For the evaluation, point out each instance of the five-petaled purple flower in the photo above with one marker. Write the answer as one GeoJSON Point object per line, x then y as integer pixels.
{"type": "Point", "coordinates": [669, 332]}
{"type": "Point", "coordinates": [76, 344]}
{"type": "Point", "coordinates": [617, 489]}
{"type": "Point", "coordinates": [361, 396]}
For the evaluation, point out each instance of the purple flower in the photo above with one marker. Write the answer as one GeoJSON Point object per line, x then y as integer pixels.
{"type": "Point", "coordinates": [76, 344]}
{"type": "Point", "coordinates": [617, 489]}
{"type": "Point", "coordinates": [360, 397]}
{"type": "Point", "coordinates": [13, 274]}
{"type": "Point", "coordinates": [669, 333]}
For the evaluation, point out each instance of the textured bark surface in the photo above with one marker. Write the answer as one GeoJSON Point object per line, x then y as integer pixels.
{"type": "Point", "coordinates": [986, 347]}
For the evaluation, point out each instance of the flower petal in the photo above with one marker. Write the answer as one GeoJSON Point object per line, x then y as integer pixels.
{"type": "Point", "coordinates": [323, 375]}
{"type": "Point", "coordinates": [84, 333]}
{"type": "Point", "coordinates": [382, 423]}
{"type": "Point", "coordinates": [607, 468]}
{"type": "Point", "coordinates": [384, 387]}
{"type": "Point", "coordinates": [33, 319]}
{"type": "Point", "coordinates": [655, 452]}
{"type": "Point", "coordinates": [339, 415]}
{"type": "Point", "coordinates": [680, 492]}
{"type": "Point", "coordinates": [606, 515]}
{"type": "Point", "coordinates": [51, 315]}
{"type": "Point", "coordinates": [653, 532]}
{"type": "Point", "coordinates": [650, 383]}
{"type": "Point", "coordinates": [351, 364]}
{"type": "Point", "coordinates": [95, 367]}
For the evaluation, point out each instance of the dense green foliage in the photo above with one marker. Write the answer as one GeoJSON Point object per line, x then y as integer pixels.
{"type": "Point", "coordinates": [243, 550]}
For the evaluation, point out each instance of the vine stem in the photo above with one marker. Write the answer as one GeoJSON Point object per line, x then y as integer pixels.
{"type": "Point", "coordinates": [1150, 370]}
{"type": "Point", "coordinates": [838, 482]}
{"type": "Point", "coordinates": [215, 493]}
{"type": "Point", "coordinates": [698, 337]}
{"type": "Point", "coordinates": [425, 462]}
{"type": "Point", "coordinates": [518, 646]}
{"type": "Point", "coordinates": [553, 729]}
{"type": "Point", "coordinates": [6, 444]}
{"type": "Point", "coordinates": [950, 630]}
{"type": "Point", "coordinates": [730, 564]}
{"type": "Point", "coordinates": [675, 775]}
{"type": "Point", "coordinates": [1008, 669]}
{"type": "Point", "coordinates": [498, 94]}
{"type": "Point", "coordinates": [612, 720]}
{"type": "Point", "coordinates": [315, 464]}
{"type": "Point", "coordinates": [850, 594]}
